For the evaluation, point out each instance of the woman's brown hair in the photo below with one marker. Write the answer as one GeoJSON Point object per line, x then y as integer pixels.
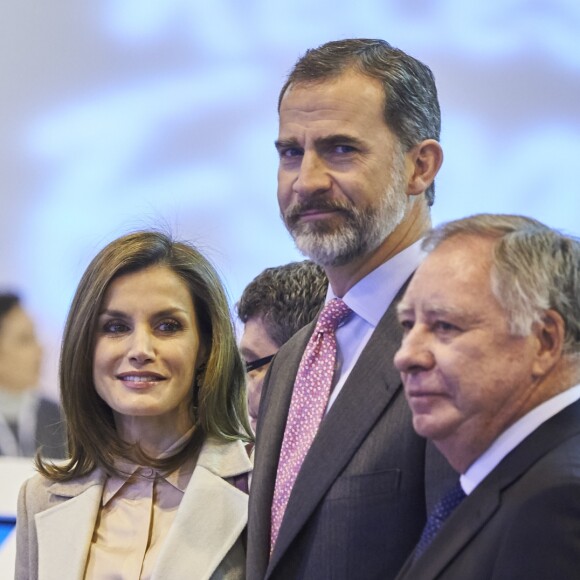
{"type": "Point", "coordinates": [219, 402]}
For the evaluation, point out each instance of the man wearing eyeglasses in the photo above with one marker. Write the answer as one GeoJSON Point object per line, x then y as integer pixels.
{"type": "Point", "coordinates": [273, 307]}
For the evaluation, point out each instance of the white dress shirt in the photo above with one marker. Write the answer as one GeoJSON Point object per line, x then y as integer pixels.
{"type": "Point", "coordinates": [369, 299]}
{"type": "Point", "coordinates": [513, 436]}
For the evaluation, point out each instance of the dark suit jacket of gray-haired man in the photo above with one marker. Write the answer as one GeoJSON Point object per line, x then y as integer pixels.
{"type": "Point", "coordinates": [358, 148]}
{"type": "Point", "coordinates": [491, 365]}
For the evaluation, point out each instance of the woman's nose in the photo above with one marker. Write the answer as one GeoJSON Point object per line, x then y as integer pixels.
{"type": "Point", "coordinates": [141, 347]}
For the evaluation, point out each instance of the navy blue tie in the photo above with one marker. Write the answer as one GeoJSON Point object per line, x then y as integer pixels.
{"type": "Point", "coordinates": [438, 516]}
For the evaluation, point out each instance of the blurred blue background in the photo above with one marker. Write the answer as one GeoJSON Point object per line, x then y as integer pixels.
{"type": "Point", "coordinates": [123, 114]}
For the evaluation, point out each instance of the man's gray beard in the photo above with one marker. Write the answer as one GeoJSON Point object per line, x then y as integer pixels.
{"type": "Point", "coordinates": [362, 231]}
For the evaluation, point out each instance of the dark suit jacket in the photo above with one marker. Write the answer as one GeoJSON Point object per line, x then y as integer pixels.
{"type": "Point", "coordinates": [50, 429]}
{"type": "Point", "coordinates": [522, 521]}
{"type": "Point", "coordinates": [358, 505]}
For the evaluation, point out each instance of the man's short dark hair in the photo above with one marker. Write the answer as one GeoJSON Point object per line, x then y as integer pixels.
{"type": "Point", "coordinates": [285, 298]}
{"type": "Point", "coordinates": [412, 109]}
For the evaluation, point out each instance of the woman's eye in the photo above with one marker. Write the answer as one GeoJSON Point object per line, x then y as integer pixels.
{"type": "Point", "coordinates": [115, 327]}
{"type": "Point", "coordinates": [290, 154]}
{"type": "Point", "coordinates": [169, 326]}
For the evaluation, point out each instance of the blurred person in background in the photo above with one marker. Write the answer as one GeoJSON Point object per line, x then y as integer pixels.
{"type": "Point", "coordinates": [28, 421]}
{"type": "Point", "coordinates": [153, 390]}
{"type": "Point", "coordinates": [273, 307]}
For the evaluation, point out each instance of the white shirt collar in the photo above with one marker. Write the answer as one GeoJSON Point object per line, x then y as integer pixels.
{"type": "Point", "coordinates": [390, 276]}
{"type": "Point", "coordinates": [514, 435]}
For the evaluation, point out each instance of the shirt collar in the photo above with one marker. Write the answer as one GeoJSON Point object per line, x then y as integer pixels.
{"type": "Point", "coordinates": [129, 471]}
{"type": "Point", "coordinates": [390, 276]}
{"type": "Point", "coordinates": [514, 435]}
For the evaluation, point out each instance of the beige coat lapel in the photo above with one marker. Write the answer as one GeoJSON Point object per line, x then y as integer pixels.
{"type": "Point", "coordinates": [65, 530]}
{"type": "Point", "coordinates": [211, 517]}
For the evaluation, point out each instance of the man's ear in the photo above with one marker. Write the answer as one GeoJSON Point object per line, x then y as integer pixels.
{"type": "Point", "coordinates": [550, 333]}
{"type": "Point", "coordinates": [423, 163]}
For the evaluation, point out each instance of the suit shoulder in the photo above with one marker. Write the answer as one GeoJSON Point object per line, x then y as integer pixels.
{"type": "Point", "coordinates": [290, 352]}
{"type": "Point", "coordinates": [34, 494]}
{"type": "Point", "coordinates": [560, 466]}
{"type": "Point", "coordinates": [36, 484]}
{"type": "Point", "coordinates": [299, 340]}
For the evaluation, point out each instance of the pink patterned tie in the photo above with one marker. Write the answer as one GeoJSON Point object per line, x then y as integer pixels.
{"type": "Point", "coordinates": [309, 399]}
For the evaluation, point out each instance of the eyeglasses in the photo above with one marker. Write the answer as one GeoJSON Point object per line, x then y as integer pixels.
{"type": "Point", "coordinates": [258, 363]}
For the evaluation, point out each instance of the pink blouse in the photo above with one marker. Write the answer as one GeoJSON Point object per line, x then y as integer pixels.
{"type": "Point", "coordinates": [136, 514]}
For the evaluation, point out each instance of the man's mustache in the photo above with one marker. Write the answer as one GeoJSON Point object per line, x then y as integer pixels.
{"type": "Point", "coordinates": [295, 212]}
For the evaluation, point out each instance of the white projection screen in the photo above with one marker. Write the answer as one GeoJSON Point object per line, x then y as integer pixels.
{"type": "Point", "coordinates": [122, 114]}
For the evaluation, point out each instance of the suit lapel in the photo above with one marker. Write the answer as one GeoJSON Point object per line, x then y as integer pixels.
{"type": "Point", "coordinates": [462, 526]}
{"type": "Point", "coordinates": [211, 517]}
{"type": "Point", "coordinates": [74, 519]}
{"type": "Point", "coordinates": [276, 399]}
{"type": "Point", "coordinates": [481, 505]}
{"type": "Point", "coordinates": [367, 392]}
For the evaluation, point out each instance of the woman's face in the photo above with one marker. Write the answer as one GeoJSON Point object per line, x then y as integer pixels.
{"type": "Point", "coordinates": [146, 354]}
{"type": "Point", "coordinates": [20, 352]}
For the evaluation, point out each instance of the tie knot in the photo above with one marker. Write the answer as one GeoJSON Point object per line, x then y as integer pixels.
{"type": "Point", "coordinates": [332, 315]}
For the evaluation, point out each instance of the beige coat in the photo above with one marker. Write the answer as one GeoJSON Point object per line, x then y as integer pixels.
{"type": "Point", "coordinates": [55, 523]}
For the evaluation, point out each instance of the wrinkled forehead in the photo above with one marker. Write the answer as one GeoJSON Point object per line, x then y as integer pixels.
{"type": "Point", "coordinates": [456, 271]}
{"type": "Point", "coordinates": [348, 70]}
{"type": "Point", "coordinates": [351, 86]}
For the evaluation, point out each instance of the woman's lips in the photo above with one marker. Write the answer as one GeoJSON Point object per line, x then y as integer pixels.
{"type": "Point", "coordinates": [140, 380]}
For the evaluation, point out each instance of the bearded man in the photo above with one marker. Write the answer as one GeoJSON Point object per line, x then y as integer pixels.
{"type": "Point", "coordinates": [342, 483]}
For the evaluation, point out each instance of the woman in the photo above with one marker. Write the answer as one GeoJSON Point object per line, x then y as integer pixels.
{"type": "Point", "coordinates": [153, 391]}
